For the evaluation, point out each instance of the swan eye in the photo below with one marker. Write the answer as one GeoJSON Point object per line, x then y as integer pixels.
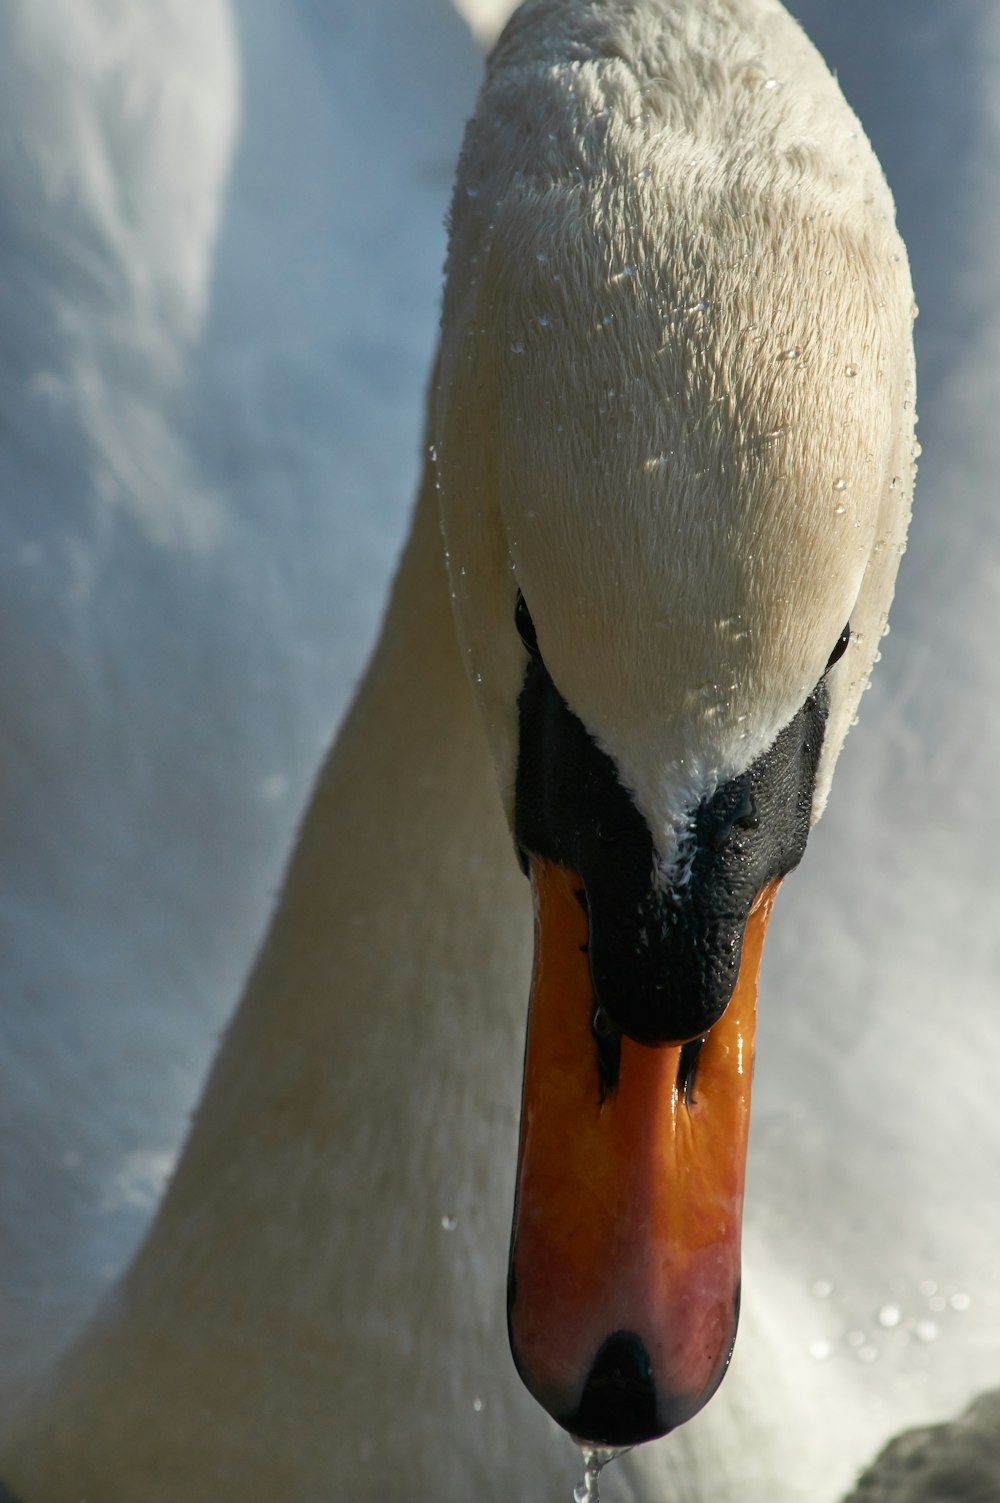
{"type": "Point", "coordinates": [840, 648]}
{"type": "Point", "coordinates": [525, 625]}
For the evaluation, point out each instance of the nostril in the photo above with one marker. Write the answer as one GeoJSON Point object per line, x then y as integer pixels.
{"type": "Point", "coordinates": [618, 1404]}
{"type": "Point", "coordinates": [608, 1038]}
{"type": "Point", "coordinates": [687, 1069]}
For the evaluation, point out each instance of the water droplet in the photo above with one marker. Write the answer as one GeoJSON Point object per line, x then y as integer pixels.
{"type": "Point", "coordinates": [839, 509]}
{"type": "Point", "coordinates": [449, 1223]}
{"type": "Point", "coordinates": [773, 434]}
{"type": "Point", "coordinates": [274, 787]}
{"type": "Point", "coordinates": [628, 271]}
{"type": "Point", "coordinates": [645, 173]}
{"type": "Point", "coordinates": [472, 192]}
{"type": "Point", "coordinates": [928, 1287]}
{"type": "Point", "coordinates": [517, 349]}
{"type": "Point", "coordinates": [772, 83]}
{"type": "Point", "coordinates": [927, 1330]}
{"type": "Point", "coordinates": [478, 1405]}
{"type": "Point", "coordinates": [544, 323]}
{"type": "Point", "coordinates": [701, 306]}
{"type": "Point", "coordinates": [937, 1303]}
{"type": "Point", "coordinates": [960, 1301]}
{"type": "Point", "coordinates": [541, 256]}
{"type": "Point", "coordinates": [790, 354]}
{"type": "Point", "coordinates": [840, 484]}
{"type": "Point", "coordinates": [851, 371]}
{"type": "Point", "coordinates": [595, 1459]}
{"type": "Point", "coordinates": [889, 1316]}
{"type": "Point", "coordinates": [820, 1350]}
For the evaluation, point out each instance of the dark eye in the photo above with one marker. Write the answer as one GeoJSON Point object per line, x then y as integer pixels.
{"type": "Point", "coordinates": [840, 648]}
{"type": "Point", "coordinates": [525, 625]}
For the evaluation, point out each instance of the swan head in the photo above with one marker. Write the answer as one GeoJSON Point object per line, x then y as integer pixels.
{"type": "Point", "coordinates": [674, 442]}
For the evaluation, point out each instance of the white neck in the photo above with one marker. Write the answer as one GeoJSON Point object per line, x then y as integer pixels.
{"type": "Point", "coordinates": [366, 1090]}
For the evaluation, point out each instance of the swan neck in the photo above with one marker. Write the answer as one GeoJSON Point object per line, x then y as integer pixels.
{"type": "Point", "coordinates": [385, 1008]}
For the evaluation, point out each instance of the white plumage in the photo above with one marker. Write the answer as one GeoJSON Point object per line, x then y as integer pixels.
{"type": "Point", "coordinates": [273, 1397]}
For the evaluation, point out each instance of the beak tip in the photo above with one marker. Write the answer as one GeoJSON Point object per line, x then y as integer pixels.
{"type": "Point", "coordinates": [628, 1397]}
{"type": "Point", "coordinates": [618, 1403]}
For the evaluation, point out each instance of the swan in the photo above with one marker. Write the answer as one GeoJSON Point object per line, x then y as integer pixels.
{"type": "Point", "coordinates": [295, 1163]}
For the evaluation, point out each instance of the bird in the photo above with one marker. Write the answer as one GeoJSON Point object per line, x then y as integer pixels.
{"type": "Point", "coordinates": [361, 1074]}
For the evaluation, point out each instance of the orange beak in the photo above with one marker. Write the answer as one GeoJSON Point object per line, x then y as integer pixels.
{"type": "Point", "coordinates": [625, 1250]}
